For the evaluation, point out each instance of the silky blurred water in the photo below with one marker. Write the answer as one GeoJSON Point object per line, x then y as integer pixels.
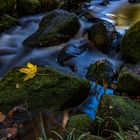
{"type": "Point", "coordinates": [13, 53]}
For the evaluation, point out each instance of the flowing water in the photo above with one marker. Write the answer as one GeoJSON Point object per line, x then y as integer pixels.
{"type": "Point", "coordinates": [12, 52]}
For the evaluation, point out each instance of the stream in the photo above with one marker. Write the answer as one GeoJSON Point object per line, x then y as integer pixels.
{"type": "Point", "coordinates": [13, 54]}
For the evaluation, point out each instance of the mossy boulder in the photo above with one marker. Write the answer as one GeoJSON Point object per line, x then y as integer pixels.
{"type": "Point", "coordinates": [102, 34]}
{"type": "Point", "coordinates": [130, 44]}
{"type": "Point", "coordinates": [28, 7]}
{"type": "Point", "coordinates": [100, 71]}
{"type": "Point", "coordinates": [81, 123]}
{"type": "Point", "coordinates": [48, 90]}
{"type": "Point", "coordinates": [6, 22]}
{"type": "Point", "coordinates": [129, 82]}
{"type": "Point", "coordinates": [124, 110]}
{"type": "Point", "coordinates": [56, 27]}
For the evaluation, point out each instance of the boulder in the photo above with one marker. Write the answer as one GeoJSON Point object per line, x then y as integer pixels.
{"type": "Point", "coordinates": [124, 111]}
{"type": "Point", "coordinates": [72, 49]}
{"type": "Point", "coordinates": [56, 27]}
{"type": "Point", "coordinates": [49, 90]}
{"type": "Point", "coordinates": [129, 82]}
{"type": "Point", "coordinates": [28, 7]}
{"type": "Point", "coordinates": [100, 71]}
{"type": "Point", "coordinates": [102, 34]}
{"type": "Point", "coordinates": [130, 44]}
{"type": "Point", "coordinates": [6, 22]}
{"type": "Point", "coordinates": [81, 123]}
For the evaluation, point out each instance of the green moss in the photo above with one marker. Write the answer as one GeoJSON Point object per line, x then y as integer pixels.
{"type": "Point", "coordinates": [128, 82]}
{"type": "Point", "coordinates": [6, 22]}
{"type": "Point", "coordinates": [82, 124]}
{"type": "Point", "coordinates": [125, 111]}
{"type": "Point", "coordinates": [130, 44]}
{"type": "Point", "coordinates": [49, 90]}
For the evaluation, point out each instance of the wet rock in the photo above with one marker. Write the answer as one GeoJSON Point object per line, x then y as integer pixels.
{"type": "Point", "coordinates": [28, 7]}
{"type": "Point", "coordinates": [100, 71]}
{"type": "Point", "coordinates": [76, 6]}
{"type": "Point", "coordinates": [104, 2]}
{"type": "Point", "coordinates": [130, 44]}
{"type": "Point", "coordinates": [82, 124]}
{"type": "Point", "coordinates": [133, 1]}
{"type": "Point", "coordinates": [102, 34]}
{"type": "Point", "coordinates": [6, 22]}
{"type": "Point", "coordinates": [73, 49]}
{"type": "Point", "coordinates": [124, 110]}
{"type": "Point", "coordinates": [56, 27]}
{"type": "Point", "coordinates": [129, 82]}
{"type": "Point", "coordinates": [49, 90]}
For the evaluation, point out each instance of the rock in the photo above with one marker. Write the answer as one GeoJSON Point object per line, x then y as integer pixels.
{"type": "Point", "coordinates": [6, 22]}
{"type": "Point", "coordinates": [101, 70]}
{"type": "Point", "coordinates": [82, 124]}
{"type": "Point", "coordinates": [102, 34]}
{"type": "Point", "coordinates": [76, 6]}
{"type": "Point", "coordinates": [124, 110]}
{"type": "Point", "coordinates": [28, 7]}
{"type": "Point", "coordinates": [133, 1]}
{"type": "Point", "coordinates": [56, 27]}
{"type": "Point", "coordinates": [73, 49]}
{"type": "Point", "coordinates": [104, 2]}
{"type": "Point", "coordinates": [130, 44]}
{"type": "Point", "coordinates": [49, 90]}
{"type": "Point", "coordinates": [129, 82]}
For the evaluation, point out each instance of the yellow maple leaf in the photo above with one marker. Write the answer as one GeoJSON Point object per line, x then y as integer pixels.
{"type": "Point", "coordinates": [30, 70]}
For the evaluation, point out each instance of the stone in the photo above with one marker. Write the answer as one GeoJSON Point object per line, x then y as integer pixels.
{"type": "Point", "coordinates": [102, 34]}
{"type": "Point", "coordinates": [72, 49]}
{"type": "Point", "coordinates": [49, 90]}
{"type": "Point", "coordinates": [57, 27]}
{"type": "Point", "coordinates": [130, 44]}
{"type": "Point", "coordinates": [129, 82]}
{"type": "Point", "coordinates": [100, 71]}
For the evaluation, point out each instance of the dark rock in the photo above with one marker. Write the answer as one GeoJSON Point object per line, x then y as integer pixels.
{"type": "Point", "coordinates": [49, 90]}
{"type": "Point", "coordinates": [73, 49]}
{"type": "Point", "coordinates": [124, 111]}
{"type": "Point", "coordinates": [28, 7]}
{"type": "Point", "coordinates": [129, 82]}
{"type": "Point", "coordinates": [82, 124]}
{"type": "Point", "coordinates": [100, 71]}
{"type": "Point", "coordinates": [133, 1]}
{"type": "Point", "coordinates": [102, 34]}
{"type": "Point", "coordinates": [56, 27]}
{"type": "Point", "coordinates": [6, 22]}
{"type": "Point", "coordinates": [76, 6]}
{"type": "Point", "coordinates": [130, 44]}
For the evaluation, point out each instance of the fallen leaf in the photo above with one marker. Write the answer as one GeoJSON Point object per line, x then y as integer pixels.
{"type": "Point", "coordinates": [30, 70]}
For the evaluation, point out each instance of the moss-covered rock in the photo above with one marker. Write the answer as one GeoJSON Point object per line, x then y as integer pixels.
{"type": "Point", "coordinates": [102, 34]}
{"type": "Point", "coordinates": [56, 27]}
{"type": "Point", "coordinates": [28, 7]}
{"type": "Point", "coordinates": [81, 123]}
{"type": "Point", "coordinates": [49, 90]}
{"type": "Point", "coordinates": [100, 70]}
{"type": "Point", "coordinates": [124, 110]}
{"type": "Point", "coordinates": [6, 22]}
{"type": "Point", "coordinates": [130, 44]}
{"type": "Point", "coordinates": [129, 82]}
